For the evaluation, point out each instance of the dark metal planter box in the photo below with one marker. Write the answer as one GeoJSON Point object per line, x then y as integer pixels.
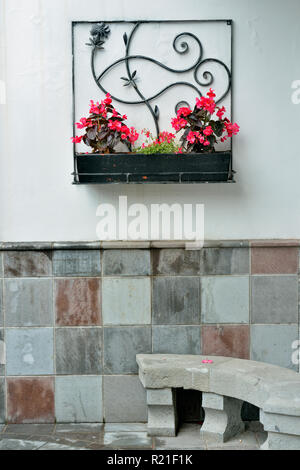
{"type": "Point", "coordinates": [153, 168]}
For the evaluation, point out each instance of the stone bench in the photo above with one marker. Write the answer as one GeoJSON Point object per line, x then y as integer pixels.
{"type": "Point", "coordinates": [225, 384]}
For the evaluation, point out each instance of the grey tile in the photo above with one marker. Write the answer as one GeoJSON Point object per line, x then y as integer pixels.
{"type": "Point", "coordinates": [76, 263]}
{"type": "Point", "coordinates": [176, 300]}
{"type": "Point", "coordinates": [29, 429]}
{"type": "Point", "coordinates": [20, 444]}
{"type": "Point", "coordinates": [2, 352]}
{"type": "Point", "coordinates": [125, 427]}
{"type": "Point", "coordinates": [2, 427]}
{"type": "Point", "coordinates": [2, 400]}
{"type": "Point", "coordinates": [274, 299]}
{"type": "Point", "coordinates": [78, 399]}
{"type": "Point", "coordinates": [242, 441]}
{"type": "Point", "coordinates": [188, 437]}
{"type": "Point", "coordinates": [176, 261]}
{"type": "Point", "coordinates": [224, 261]}
{"type": "Point", "coordinates": [71, 428]}
{"type": "Point", "coordinates": [130, 440]}
{"type": "Point", "coordinates": [29, 351]}
{"type": "Point", "coordinates": [121, 344]}
{"type": "Point", "coordinates": [126, 263]}
{"type": "Point", "coordinates": [126, 301]}
{"type": "Point", "coordinates": [1, 264]}
{"type": "Point", "coordinates": [29, 302]}
{"type": "Point", "coordinates": [273, 344]}
{"type": "Point", "coordinates": [27, 263]}
{"type": "Point", "coordinates": [124, 401]}
{"type": "Point", "coordinates": [225, 299]}
{"type": "Point", "coordinates": [78, 351]}
{"type": "Point", "coordinates": [56, 446]}
{"type": "Point", "coordinates": [176, 339]}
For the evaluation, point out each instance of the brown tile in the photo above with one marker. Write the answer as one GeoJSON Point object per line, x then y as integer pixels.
{"type": "Point", "coordinates": [78, 302]}
{"type": "Point", "coordinates": [30, 400]}
{"type": "Point", "coordinates": [274, 260]}
{"type": "Point", "coordinates": [226, 340]}
{"type": "Point", "coordinates": [27, 263]}
{"type": "Point", "coordinates": [275, 243]}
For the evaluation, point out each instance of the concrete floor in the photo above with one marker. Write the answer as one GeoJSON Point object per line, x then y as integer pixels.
{"type": "Point", "coordinates": [117, 437]}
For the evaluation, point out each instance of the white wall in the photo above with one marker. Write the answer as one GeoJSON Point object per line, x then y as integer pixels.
{"type": "Point", "coordinates": [37, 200]}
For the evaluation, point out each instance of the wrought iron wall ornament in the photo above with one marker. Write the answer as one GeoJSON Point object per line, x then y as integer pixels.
{"type": "Point", "coordinates": [100, 33]}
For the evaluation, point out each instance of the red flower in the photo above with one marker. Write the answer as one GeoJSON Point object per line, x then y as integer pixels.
{"type": "Point", "coordinates": [211, 93]}
{"type": "Point", "coordinates": [191, 137]}
{"type": "Point", "coordinates": [183, 112]}
{"type": "Point", "coordinates": [76, 139]}
{"type": "Point", "coordinates": [108, 99]}
{"type": "Point", "coordinates": [208, 130]}
{"type": "Point", "coordinates": [221, 112]}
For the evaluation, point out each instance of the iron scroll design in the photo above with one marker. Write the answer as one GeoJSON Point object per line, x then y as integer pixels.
{"type": "Point", "coordinates": [101, 32]}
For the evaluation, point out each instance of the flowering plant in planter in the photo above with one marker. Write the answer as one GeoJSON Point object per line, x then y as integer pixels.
{"type": "Point", "coordinates": [201, 132]}
{"type": "Point", "coordinates": [105, 128]}
{"type": "Point", "coordinates": [164, 143]}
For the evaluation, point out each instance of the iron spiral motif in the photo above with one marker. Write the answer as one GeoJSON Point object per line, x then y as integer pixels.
{"type": "Point", "coordinates": [100, 33]}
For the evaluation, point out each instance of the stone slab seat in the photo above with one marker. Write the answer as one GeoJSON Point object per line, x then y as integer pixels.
{"type": "Point", "coordinates": [225, 384]}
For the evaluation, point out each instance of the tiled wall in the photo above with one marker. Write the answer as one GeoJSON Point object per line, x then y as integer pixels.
{"type": "Point", "coordinates": [72, 321]}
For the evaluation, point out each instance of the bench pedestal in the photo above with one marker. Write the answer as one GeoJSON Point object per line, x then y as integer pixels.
{"type": "Point", "coordinates": [283, 431]}
{"type": "Point", "coordinates": [222, 417]}
{"type": "Point", "coordinates": [162, 415]}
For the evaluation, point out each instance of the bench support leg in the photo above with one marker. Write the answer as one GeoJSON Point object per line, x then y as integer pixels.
{"type": "Point", "coordinates": [283, 431]}
{"type": "Point", "coordinates": [222, 417]}
{"type": "Point", "coordinates": [162, 415]}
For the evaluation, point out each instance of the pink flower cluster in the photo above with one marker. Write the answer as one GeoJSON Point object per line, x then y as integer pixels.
{"type": "Point", "coordinates": [100, 120]}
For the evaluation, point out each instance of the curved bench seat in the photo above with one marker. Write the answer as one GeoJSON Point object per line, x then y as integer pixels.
{"type": "Point", "coordinates": [275, 390]}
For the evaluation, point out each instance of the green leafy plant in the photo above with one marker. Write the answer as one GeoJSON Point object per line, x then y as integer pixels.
{"type": "Point", "coordinates": [165, 143]}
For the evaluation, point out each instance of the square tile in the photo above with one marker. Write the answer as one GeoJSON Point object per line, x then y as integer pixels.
{"type": "Point", "coordinates": [29, 351]}
{"type": "Point", "coordinates": [28, 302]}
{"type": "Point", "coordinates": [226, 340]}
{"type": "Point", "coordinates": [127, 440]}
{"type": "Point", "coordinates": [78, 302]}
{"type": "Point", "coordinates": [121, 345]}
{"type": "Point", "coordinates": [126, 263]}
{"type": "Point", "coordinates": [2, 400]}
{"type": "Point", "coordinates": [176, 339]}
{"type": "Point", "coordinates": [76, 263]}
{"type": "Point", "coordinates": [176, 301]}
{"type": "Point", "coordinates": [126, 301]}
{"type": "Point", "coordinates": [30, 400]}
{"type": "Point", "coordinates": [78, 399]}
{"type": "Point", "coordinates": [176, 261]}
{"type": "Point", "coordinates": [78, 351]}
{"type": "Point", "coordinates": [273, 344]}
{"type": "Point", "coordinates": [2, 352]}
{"type": "Point", "coordinates": [27, 263]}
{"type": "Point", "coordinates": [274, 260]}
{"type": "Point", "coordinates": [124, 400]}
{"type": "Point", "coordinates": [225, 299]}
{"type": "Point", "coordinates": [274, 299]}
{"type": "Point", "coordinates": [224, 261]}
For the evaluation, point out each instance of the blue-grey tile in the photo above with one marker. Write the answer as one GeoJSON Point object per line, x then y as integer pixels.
{"type": "Point", "coordinates": [176, 300]}
{"type": "Point", "coordinates": [124, 400]}
{"type": "Point", "coordinates": [126, 301]}
{"type": "Point", "coordinates": [224, 261]}
{"type": "Point", "coordinates": [76, 263]}
{"type": "Point", "coordinates": [2, 400]}
{"type": "Point", "coordinates": [176, 261]}
{"type": "Point", "coordinates": [27, 263]}
{"type": "Point", "coordinates": [274, 299]}
{"type": "Point", "coordinates": [126, 263]}
{"type": "Point", "coordinates": [78, 399]}
{"type": "Point", "coordinates": [273, 344]}
{"type": "Point", "coordinates": [2, 352]}
{"type": "Point", "coordinates": [1, 264]}
{"type": "Point", "coordinates": [28, 302]}
{"type": "Point", "coordinates": [29, 351]}
{"type": "Point", "coordinates": [78, 351]}
{"type": "Point", "coordinates": [176, 339]}
{"type": "Point", "coordinates": [121, 345]}
{"type": "Point", "coordinates": [225, 299]}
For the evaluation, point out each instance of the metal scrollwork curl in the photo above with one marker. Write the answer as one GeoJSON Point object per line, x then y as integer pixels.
{"type": "Point", "coordinates": [101, 32]}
